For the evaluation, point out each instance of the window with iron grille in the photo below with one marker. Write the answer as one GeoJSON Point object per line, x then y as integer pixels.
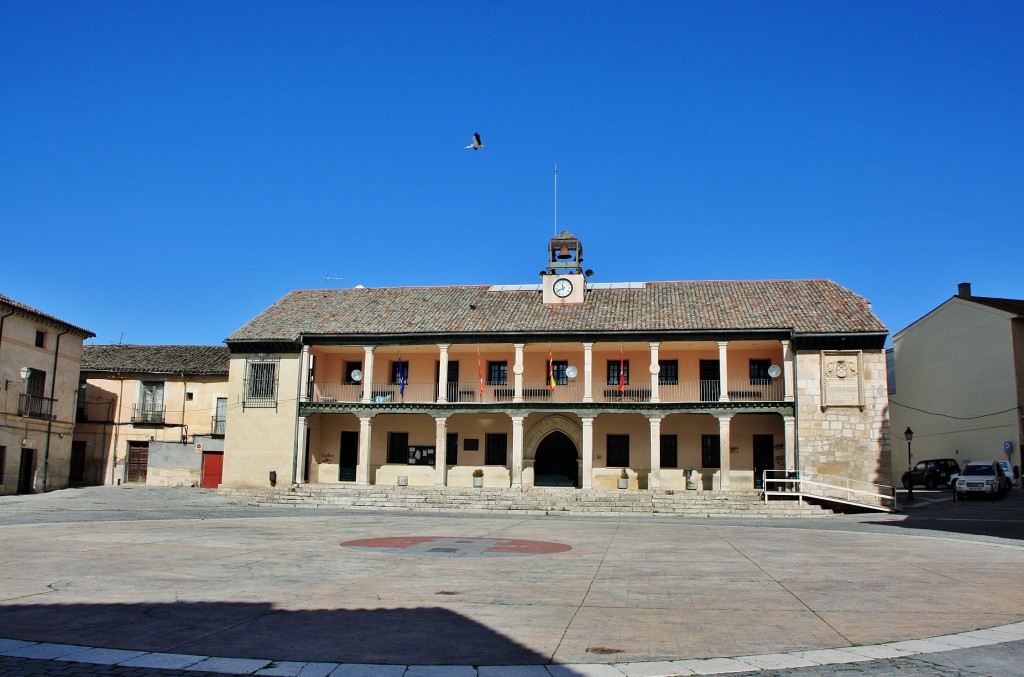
{"type": "Point", "coordinates": [261, 382]}
{"type": "Point", "coordinates": [496, 452]}
{"type": "Point", "coordinates": [398, 448]}
{"type": "Point", "coordinates": [669, 451]}
{"type": "Point", "coordinates": [613, 372]}
{"type": "Point", "coordinates": [497, 373]}
{"type": "Point", "coordinates": [711, 451]}
{"type": "Point", "coordinates": [668, 373]}
{"type": "Point", "coordinates": [759, 372]}
{"type": "Point", "coordinates": [618, 451]}
{"type": "Point", "coordinates": [40, 339]}
{"type": "Point", "coordinates": [3, 461]}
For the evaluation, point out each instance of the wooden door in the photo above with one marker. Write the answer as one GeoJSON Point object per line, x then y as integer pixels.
{"type": "Point", "coordinates": [213, 469]}
{"type": "Point", "coordinates": [27, 471]}
{"type": "Point", "coordinates": [348, 456]}
{"type": "Point", "coordinates": [710, 380]}
{"type": "Point", "coordinates": [138, 461]}
{"type": "Point", "coordinates": [77, 473]}
{"type": "Point", "coordinates": [764, 458]}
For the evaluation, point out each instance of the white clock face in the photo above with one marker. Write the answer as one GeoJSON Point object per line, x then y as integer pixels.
{"type": "Point", "coordinates": [562, 287]}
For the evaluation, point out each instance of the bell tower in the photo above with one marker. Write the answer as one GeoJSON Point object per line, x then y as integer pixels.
{"type": "Point", "coordinates": [564, 280]}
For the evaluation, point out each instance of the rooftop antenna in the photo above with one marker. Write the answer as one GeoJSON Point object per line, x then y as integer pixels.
{"type": "Point", "coordinates": [556, 199]}
{"type": "Point", "coordinates": [328, 277]}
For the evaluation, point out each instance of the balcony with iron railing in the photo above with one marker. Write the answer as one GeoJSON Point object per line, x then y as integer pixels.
{"type": "Point", "coordinates": [36, 406]}
{"type": "Point", "coordinates": [143, 413]}
{"type": "Point", "coordinates": [468, 392]}
{"type": "Point", "coordinates": [217, 425]}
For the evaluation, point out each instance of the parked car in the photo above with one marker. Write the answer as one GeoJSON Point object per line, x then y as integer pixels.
{"type": "Point", "coordinates": [982, 477]}
{"type": "Point", "coordinates": [1008, 471]}
{"type": "Point", "coordinates": [931, 473]}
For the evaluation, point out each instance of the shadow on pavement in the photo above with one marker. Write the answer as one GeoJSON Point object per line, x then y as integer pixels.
{"type": "Point", "coordinates": [975, 516]}
{"type": "Point", "coordinates": [421, 636]}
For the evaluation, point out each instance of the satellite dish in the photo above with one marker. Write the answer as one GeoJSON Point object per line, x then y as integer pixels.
{"type": "Point", "coordinates": [774, 371]}
{"type": "Point", "coordinates": [571, 372]}
{"type": "Point", "coordinates": [357, 375]}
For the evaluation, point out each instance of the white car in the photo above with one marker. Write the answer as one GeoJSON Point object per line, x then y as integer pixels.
{"type": "Point", "coordinates": [1008, 471]}
{"type": "Point", "coordinates": [981, 477]}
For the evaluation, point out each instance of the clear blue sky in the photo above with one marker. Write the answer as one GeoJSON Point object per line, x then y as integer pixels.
{"type": "Point", "coordinates": [170, 169]}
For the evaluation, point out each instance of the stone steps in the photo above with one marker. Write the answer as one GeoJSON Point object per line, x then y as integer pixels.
{"type": "Point", "coordinates": [530, 500]}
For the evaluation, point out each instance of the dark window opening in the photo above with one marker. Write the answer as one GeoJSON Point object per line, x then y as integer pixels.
{"type": "Point", "coordinates": [711, 451]}
{"type": "Point", "coordinates": [618, 451]}
{"type": "Point", "coordinates": [669, 451]}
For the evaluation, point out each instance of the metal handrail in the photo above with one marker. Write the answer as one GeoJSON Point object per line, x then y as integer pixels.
{"type": "Point", "coordinates": [783, 483]}
{"type": "Point", "coordinates": [36, 406]}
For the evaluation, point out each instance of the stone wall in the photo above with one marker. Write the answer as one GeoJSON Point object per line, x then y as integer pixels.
{"type": "Point", "coordinates": [847, 440]}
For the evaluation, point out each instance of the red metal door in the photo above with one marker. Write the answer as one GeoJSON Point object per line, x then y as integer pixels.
{"type": "Point", "coordinates": [213, 469]}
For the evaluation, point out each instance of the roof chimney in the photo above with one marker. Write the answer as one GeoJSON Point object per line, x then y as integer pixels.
{"type": "Point", "coordinates": [963, 290]}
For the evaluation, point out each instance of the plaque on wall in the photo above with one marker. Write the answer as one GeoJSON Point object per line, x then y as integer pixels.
{"type": "Point", "coordinates": [842, 383]}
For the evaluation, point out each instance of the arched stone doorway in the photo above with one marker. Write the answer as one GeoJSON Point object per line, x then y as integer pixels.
{"type": "Point", "coordinates": [556, 463]}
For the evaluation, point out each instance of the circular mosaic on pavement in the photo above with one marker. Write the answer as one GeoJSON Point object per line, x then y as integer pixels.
{"type": "Point", "coordinates": [442, 546]}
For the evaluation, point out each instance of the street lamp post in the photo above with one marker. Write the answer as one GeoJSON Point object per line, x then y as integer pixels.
{"type": "Point", "coordinates": [909, 434]}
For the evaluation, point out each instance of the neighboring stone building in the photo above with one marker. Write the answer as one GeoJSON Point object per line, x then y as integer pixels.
{"type": "Point", "coordinates": [39, 365]}
{"type": "Point", "coordinates": [562, 383]}
{"type": "Point", "coordinates": [959, 381]}
{"type": "Point", "coordinates": [153, 414]}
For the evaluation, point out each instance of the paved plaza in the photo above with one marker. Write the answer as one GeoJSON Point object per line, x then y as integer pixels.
{"type": "Point", "coordinates": [150, 581]}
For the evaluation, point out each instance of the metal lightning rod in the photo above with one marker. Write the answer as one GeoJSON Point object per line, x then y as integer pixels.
{"type": "Point", "coordinates": [556, 199]}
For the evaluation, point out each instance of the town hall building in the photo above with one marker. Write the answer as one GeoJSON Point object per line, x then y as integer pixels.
{"type": "Point", "coordinates": [693, 385]}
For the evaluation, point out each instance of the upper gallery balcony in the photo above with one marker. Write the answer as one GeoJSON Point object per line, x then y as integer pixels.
{"type": "Point", "coordinates": [469, 392]}
{"type": "Point", "coordinates": [576, 373]}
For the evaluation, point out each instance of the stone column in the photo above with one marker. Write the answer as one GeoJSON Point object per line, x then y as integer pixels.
{"type": "Point", "coordinates": [440, 455]}
{"type": "Point", "coordinates": [442, 373]}
{"type": "Point", "coordinates": [787, 370]}
{"type": "Point", "coordinates": [300, 451]}
{"type": "Point", "coordinates": [789, 427]}
{"type": "Point", "coordinates": [723, 372]}
{"type": "Point", "coordinates": [300, 425]}
{"type": "Point", "coordinates": [363, 468]}
{"type": "Point", "coordinates": [655, 371]}
{"type": "Point", "coordinates": [367, 374]}
{"type": "Point", "coordinates": [517, 370]}
{"type": "Point", "coordinates": [588, 372]}
{"type": "Point", "coordinates": [654, 481]}
{"type": "Point", "coordinates": [517, 452]}
{"type": "Point", "coordinates": [724, 423]}
{"type": "Point", "coordinates": [588, 453]}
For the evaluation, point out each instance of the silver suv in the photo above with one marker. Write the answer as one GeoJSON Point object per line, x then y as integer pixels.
{"type": "Point", "coordinates": [982, 477]}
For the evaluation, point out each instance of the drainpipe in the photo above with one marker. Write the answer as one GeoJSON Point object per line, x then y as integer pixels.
{"type": "Point", "coordinates": [184, 396]}
{"type": "Point", "coordinates": [117, 430]}
{"type": "Point", "coordinates": [49, 420]}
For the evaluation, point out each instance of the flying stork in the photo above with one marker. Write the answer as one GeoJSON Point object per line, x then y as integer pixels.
{"type": "Point", "coordinates": [477, 144]}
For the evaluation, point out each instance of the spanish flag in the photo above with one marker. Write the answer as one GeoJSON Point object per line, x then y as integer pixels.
{"type": "Point", "coordinates": [551, 371]}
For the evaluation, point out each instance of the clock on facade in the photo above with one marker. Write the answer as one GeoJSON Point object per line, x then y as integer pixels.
{"type": "Point", "coordinates": [562, 287]}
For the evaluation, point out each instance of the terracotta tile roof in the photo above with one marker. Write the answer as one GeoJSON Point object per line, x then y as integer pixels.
{"type": "Point", "coordinates": [1015, 306]}
{"type": "Point", "coordinates": [134, 359]}
{"type": "Point", "coordinates": [806, 306]}
{"type": "Point", "coordinates": [21, 308]}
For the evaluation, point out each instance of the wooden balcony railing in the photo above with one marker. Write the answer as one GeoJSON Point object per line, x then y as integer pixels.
{"type": "Point", "coordinates": [756, 390]}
